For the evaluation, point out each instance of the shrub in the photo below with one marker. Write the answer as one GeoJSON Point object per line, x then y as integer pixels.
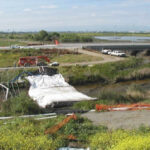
{"type": "Point", "coordinates": [21, 104]}
{"type": "Point", "coordinates": [120, 140]}
{"type": "Point", "coordinates": [134, 143]}
{"type": "Point", "coordinates": [26, 135]}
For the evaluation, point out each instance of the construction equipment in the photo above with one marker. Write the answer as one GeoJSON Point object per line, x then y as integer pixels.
{"type": "Point", "coordinates": [33, 61]}
{"type": "Point", "coordinates": [60, 125]}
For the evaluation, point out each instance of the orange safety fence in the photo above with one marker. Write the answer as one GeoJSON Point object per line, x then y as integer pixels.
{"type": "Point", "coordinates": [55, 128]}
{"type": "Point", "coordinates": [123, 107]}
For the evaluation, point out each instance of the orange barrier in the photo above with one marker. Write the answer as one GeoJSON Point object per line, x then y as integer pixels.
{"type": "Point", "coordinates": [55, 128]}
{"type": "Point", "coordinates": [123, 107]}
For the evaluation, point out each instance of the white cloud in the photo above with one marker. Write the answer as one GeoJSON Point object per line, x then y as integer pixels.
{"type": "Point", "coordinates": [27, 10]}
{"type": "Point", "coordinates": [75, 7]}
{"type": "Point", "coordinates": [49, 6]}
{"type": "Point", "coordinates": [93, 15]}
{"type": "Point", "coordinates": [1, 12]}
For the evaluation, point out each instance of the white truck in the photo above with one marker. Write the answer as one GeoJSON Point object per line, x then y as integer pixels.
{"type": "Point", "coordinates": [117, 53]}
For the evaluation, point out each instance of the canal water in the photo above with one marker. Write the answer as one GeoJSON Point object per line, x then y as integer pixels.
{"type": "Point", "coordinates": [124, 38]}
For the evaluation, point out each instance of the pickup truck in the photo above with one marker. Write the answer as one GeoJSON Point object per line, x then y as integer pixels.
{"type": "Point", "coordinates": [117, 53]}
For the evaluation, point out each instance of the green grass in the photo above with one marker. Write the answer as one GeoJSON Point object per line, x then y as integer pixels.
{"type": "Point", "coordinates": [11, 57]}
{"type": "Point", "coordinates": [122, 140]}
{"type": "Point", "coordinates": [27, 134]}
{"type": "Point", "coordinates": [71, 58]}
{"type": "Point", "coordinates": [9, 42]}
{"type": "Point", "coordinates": [129, 69]}
{"type": "Point", "coordinates": [20, 105]}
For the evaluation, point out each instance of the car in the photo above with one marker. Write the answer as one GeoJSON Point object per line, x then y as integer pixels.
{"type": "Point", "coordinates": [54, 64]}
{"type": "Point", "coordinates": [106, 51]}
{"type": "Point", "coordinates": [14, 46]}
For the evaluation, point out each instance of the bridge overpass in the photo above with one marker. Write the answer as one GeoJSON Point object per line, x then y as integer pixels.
{"type": "Point", "coordinates": [126, 47]}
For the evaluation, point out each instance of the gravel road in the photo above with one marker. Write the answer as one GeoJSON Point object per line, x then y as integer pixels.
{"type": "Point", "coordinates": [120, 119]}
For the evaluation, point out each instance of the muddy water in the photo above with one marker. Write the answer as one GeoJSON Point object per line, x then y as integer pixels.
{"type": "Point", "coordinates": [95, 89]}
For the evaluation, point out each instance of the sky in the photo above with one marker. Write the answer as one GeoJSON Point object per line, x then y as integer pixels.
{"type": "Point", "coordinates": [75, 15]}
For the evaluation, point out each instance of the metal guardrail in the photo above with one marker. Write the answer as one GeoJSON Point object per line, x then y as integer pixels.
{"type": "Point", "coordinates": [15, 68]}
{"type": "Point", "coordinates": [37, 117]}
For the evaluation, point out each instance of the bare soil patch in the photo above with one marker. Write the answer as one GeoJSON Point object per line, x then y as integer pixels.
{"type": "Point", "coordinates": [120, 119]}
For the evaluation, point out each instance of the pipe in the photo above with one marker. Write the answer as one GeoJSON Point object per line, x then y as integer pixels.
{"type": "Point", "coordinates": [7, 90]}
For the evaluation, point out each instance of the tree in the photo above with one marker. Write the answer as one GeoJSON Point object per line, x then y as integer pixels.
{"type": "Point", "coordinates": [41, 36]}
{"type": "Point", "coordinates": [55, 35]}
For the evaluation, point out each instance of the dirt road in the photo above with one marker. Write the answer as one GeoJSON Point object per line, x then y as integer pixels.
{"type": "Point", "coordinates": [105, 58]}
{"type": "Point", "coordinates": [120, 119]}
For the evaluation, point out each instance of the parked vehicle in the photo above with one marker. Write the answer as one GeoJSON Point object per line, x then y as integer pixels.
{"type": "Point", "coordinates": [14, 47]}
{"type": "Point", "coordinates": [105, 51]}
{"type": "Point", "coordinates": [33, 61]}
{"type": "Point", "coordinates": [54, 64]}
{"type": "Point", "coordinates": [109, 53]}
{"type": "Point", "coordinates": [117, 53]}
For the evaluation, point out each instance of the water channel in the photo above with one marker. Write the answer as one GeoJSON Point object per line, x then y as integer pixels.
{"type": "Point", "coordinates": [124, 38]}
{"type": "Point", "coordinates": [95, 89]}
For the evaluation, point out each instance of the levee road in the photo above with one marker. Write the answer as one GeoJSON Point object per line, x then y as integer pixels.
{"type": "Point", "coordinates": [105, 58]}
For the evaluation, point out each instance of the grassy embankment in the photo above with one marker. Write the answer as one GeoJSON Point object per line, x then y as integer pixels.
{"type": "Point", "coordinates": [112, 72]}
{"type": "Point", "coordinates": [133, 94]}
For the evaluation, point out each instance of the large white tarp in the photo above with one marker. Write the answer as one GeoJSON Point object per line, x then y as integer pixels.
{"type": "Point", "coordinates": [46, 89]}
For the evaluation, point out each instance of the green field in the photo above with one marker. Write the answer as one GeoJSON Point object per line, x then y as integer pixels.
{"type": "Point", "coordinates": [7, 39]}
{"type": "Point", "coordinates": [112, 34]}
{"type": "Point", "coordinates": [9, 42]}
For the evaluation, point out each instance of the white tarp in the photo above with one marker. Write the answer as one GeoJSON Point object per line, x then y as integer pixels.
{"type": "Point", "coordinates": [48, 89]}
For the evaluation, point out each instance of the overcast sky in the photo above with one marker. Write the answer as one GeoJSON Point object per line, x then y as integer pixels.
{"type": "Point", "coordinates": [75, 15]}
